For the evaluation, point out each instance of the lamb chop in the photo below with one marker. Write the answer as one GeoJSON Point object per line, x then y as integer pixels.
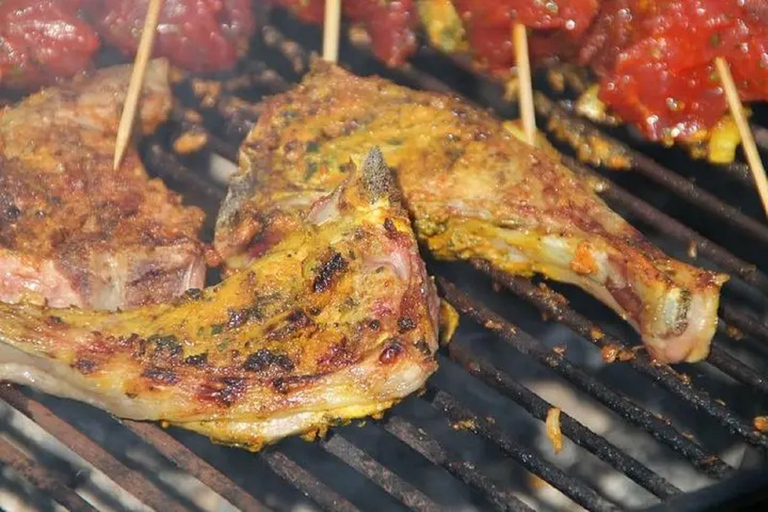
{"type": "Point", "coordinates": [72, 230]}
{"type": "Point", "coordinates": [473, 191]}
{"type": "Point", "coordinates": [337, 319]}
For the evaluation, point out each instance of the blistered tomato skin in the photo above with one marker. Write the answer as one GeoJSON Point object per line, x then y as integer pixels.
{"type": "Point", "coordinates": [198, 35]}
{"type": "Point", "coordinates": [390, 23]}
{"type": "Point", "coordinates": [555, 26]}
{"type": "Point", "coordinates": [656, 61]}
{"type": "Point", "coordinates": [42, 41]}
{"type": "Point", "coordinates": [654, 58]}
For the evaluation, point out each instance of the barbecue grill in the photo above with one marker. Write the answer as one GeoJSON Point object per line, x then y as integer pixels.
{"type": "Point", "coordinates": [636, 434]}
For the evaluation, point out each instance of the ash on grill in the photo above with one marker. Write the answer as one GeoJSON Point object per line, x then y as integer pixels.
{"type": "Point", "coordinates": [634, 433]}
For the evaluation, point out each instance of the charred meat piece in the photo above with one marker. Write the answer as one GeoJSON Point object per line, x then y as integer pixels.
{"type": "Point", "coordinates": [72, 230]}
{"type": "Point", "coordinates": [474, 191]}
{"type": "Point", "coordinates": [336, 320]}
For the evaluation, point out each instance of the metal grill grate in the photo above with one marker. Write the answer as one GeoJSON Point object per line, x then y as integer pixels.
{"type": "Point", "coordinates": [442, 431]}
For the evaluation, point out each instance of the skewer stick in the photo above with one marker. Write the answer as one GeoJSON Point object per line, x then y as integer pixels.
{"type": "Point", "coordinates": [331, 27]}
{"type": "Point", "coordinates": [747, 139]}
{"type": "Point", "coordinates": [527, 112]}
{"type": "Point", "coordinates": [137, 80]}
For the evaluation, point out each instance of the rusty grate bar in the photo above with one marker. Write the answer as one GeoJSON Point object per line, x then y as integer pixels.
{"type": "Point", "coordinates": [186, 459]}
{"type": "Point", "coordinates": [377, 473]}
{"type": "Point", "coordinates": [306, 483]}
{"type": "Point", "coordinates": [465, 471]}
{"type": "Point", "coordinates": [572, 487]}
{"type": "Point", "coordinates": [666, 433]}
{"type": "Point", "coordinates": [41, 478]}
{"type": "Point", "coordinates": [578, 433]}
{"type": "Point", "coordinates": [548, 301]}
{"type": "Point", "coordinates": [129, 479]}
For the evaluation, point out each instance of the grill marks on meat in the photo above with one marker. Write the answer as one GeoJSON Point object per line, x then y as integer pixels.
{"type": "Point", "coordinates": [267, 352]}
{"type": "Point", "coordinates": [336, 264]}
{"type": "Point", "coordinates": [72, 230]}
{"type": "Point", "coordinates": [474, 191]}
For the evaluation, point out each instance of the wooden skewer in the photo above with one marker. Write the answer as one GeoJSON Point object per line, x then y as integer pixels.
{"type": "Point", "coordinates": [747, 139]}
{"type": "Point", "coordinates": [527, 112]}
{"type": "Point", "coordinates": [135, 86]}
{"type": "Point", "coordinates": [331, 27]}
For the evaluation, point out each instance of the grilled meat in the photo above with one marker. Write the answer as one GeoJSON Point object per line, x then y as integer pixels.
{"type": "Point", "coordinates": [336, 320]}
{"type": "Point", "coordinates": [72, 230]}
{"type": "Point", "coordinates": [474, 191]}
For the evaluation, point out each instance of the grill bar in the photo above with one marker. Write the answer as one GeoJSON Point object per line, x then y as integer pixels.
{"type": "Point", "coordinates": [744, 322]}
{"type": "Point", "coordinates": [290, 50]}
{"type": "Point", "coordinates": [127, 478]}
{"type": "Point", "coordinates": [180, 176]}
{"type": "Point", "coordinates": [377, 473]}
{"type": "Point", "coordinates": [675, 229]}
{"type": "Point", "coordinates": [761, 136]}
{"type": "Point", "coordinates": [549, 302]}
{"type": "Point", "coordinates": [739, 371]}
{"type": "Point", "coordinates": [465, 471]}
{"type": "Point", "coordinates": [321, 494]}
{"type": "Point", "coordinates": [186, 459]}
{"type": "Point", "coordinates": [666, 433]}
{"type": "Point", "coordinates": [226, 106]}
{"type": "Point", "coordinates": [571, 487]}
{"type": "Point", "coordinates": [665, 177]}
{"type": "Point", "coordinates": [740, 171]}
{"type": "Point", "coordinates": [216, 144]}
{"type": "Point", "coordinates": [41, 478]}
{"type": "Point", "coordinates": [577, 432]}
